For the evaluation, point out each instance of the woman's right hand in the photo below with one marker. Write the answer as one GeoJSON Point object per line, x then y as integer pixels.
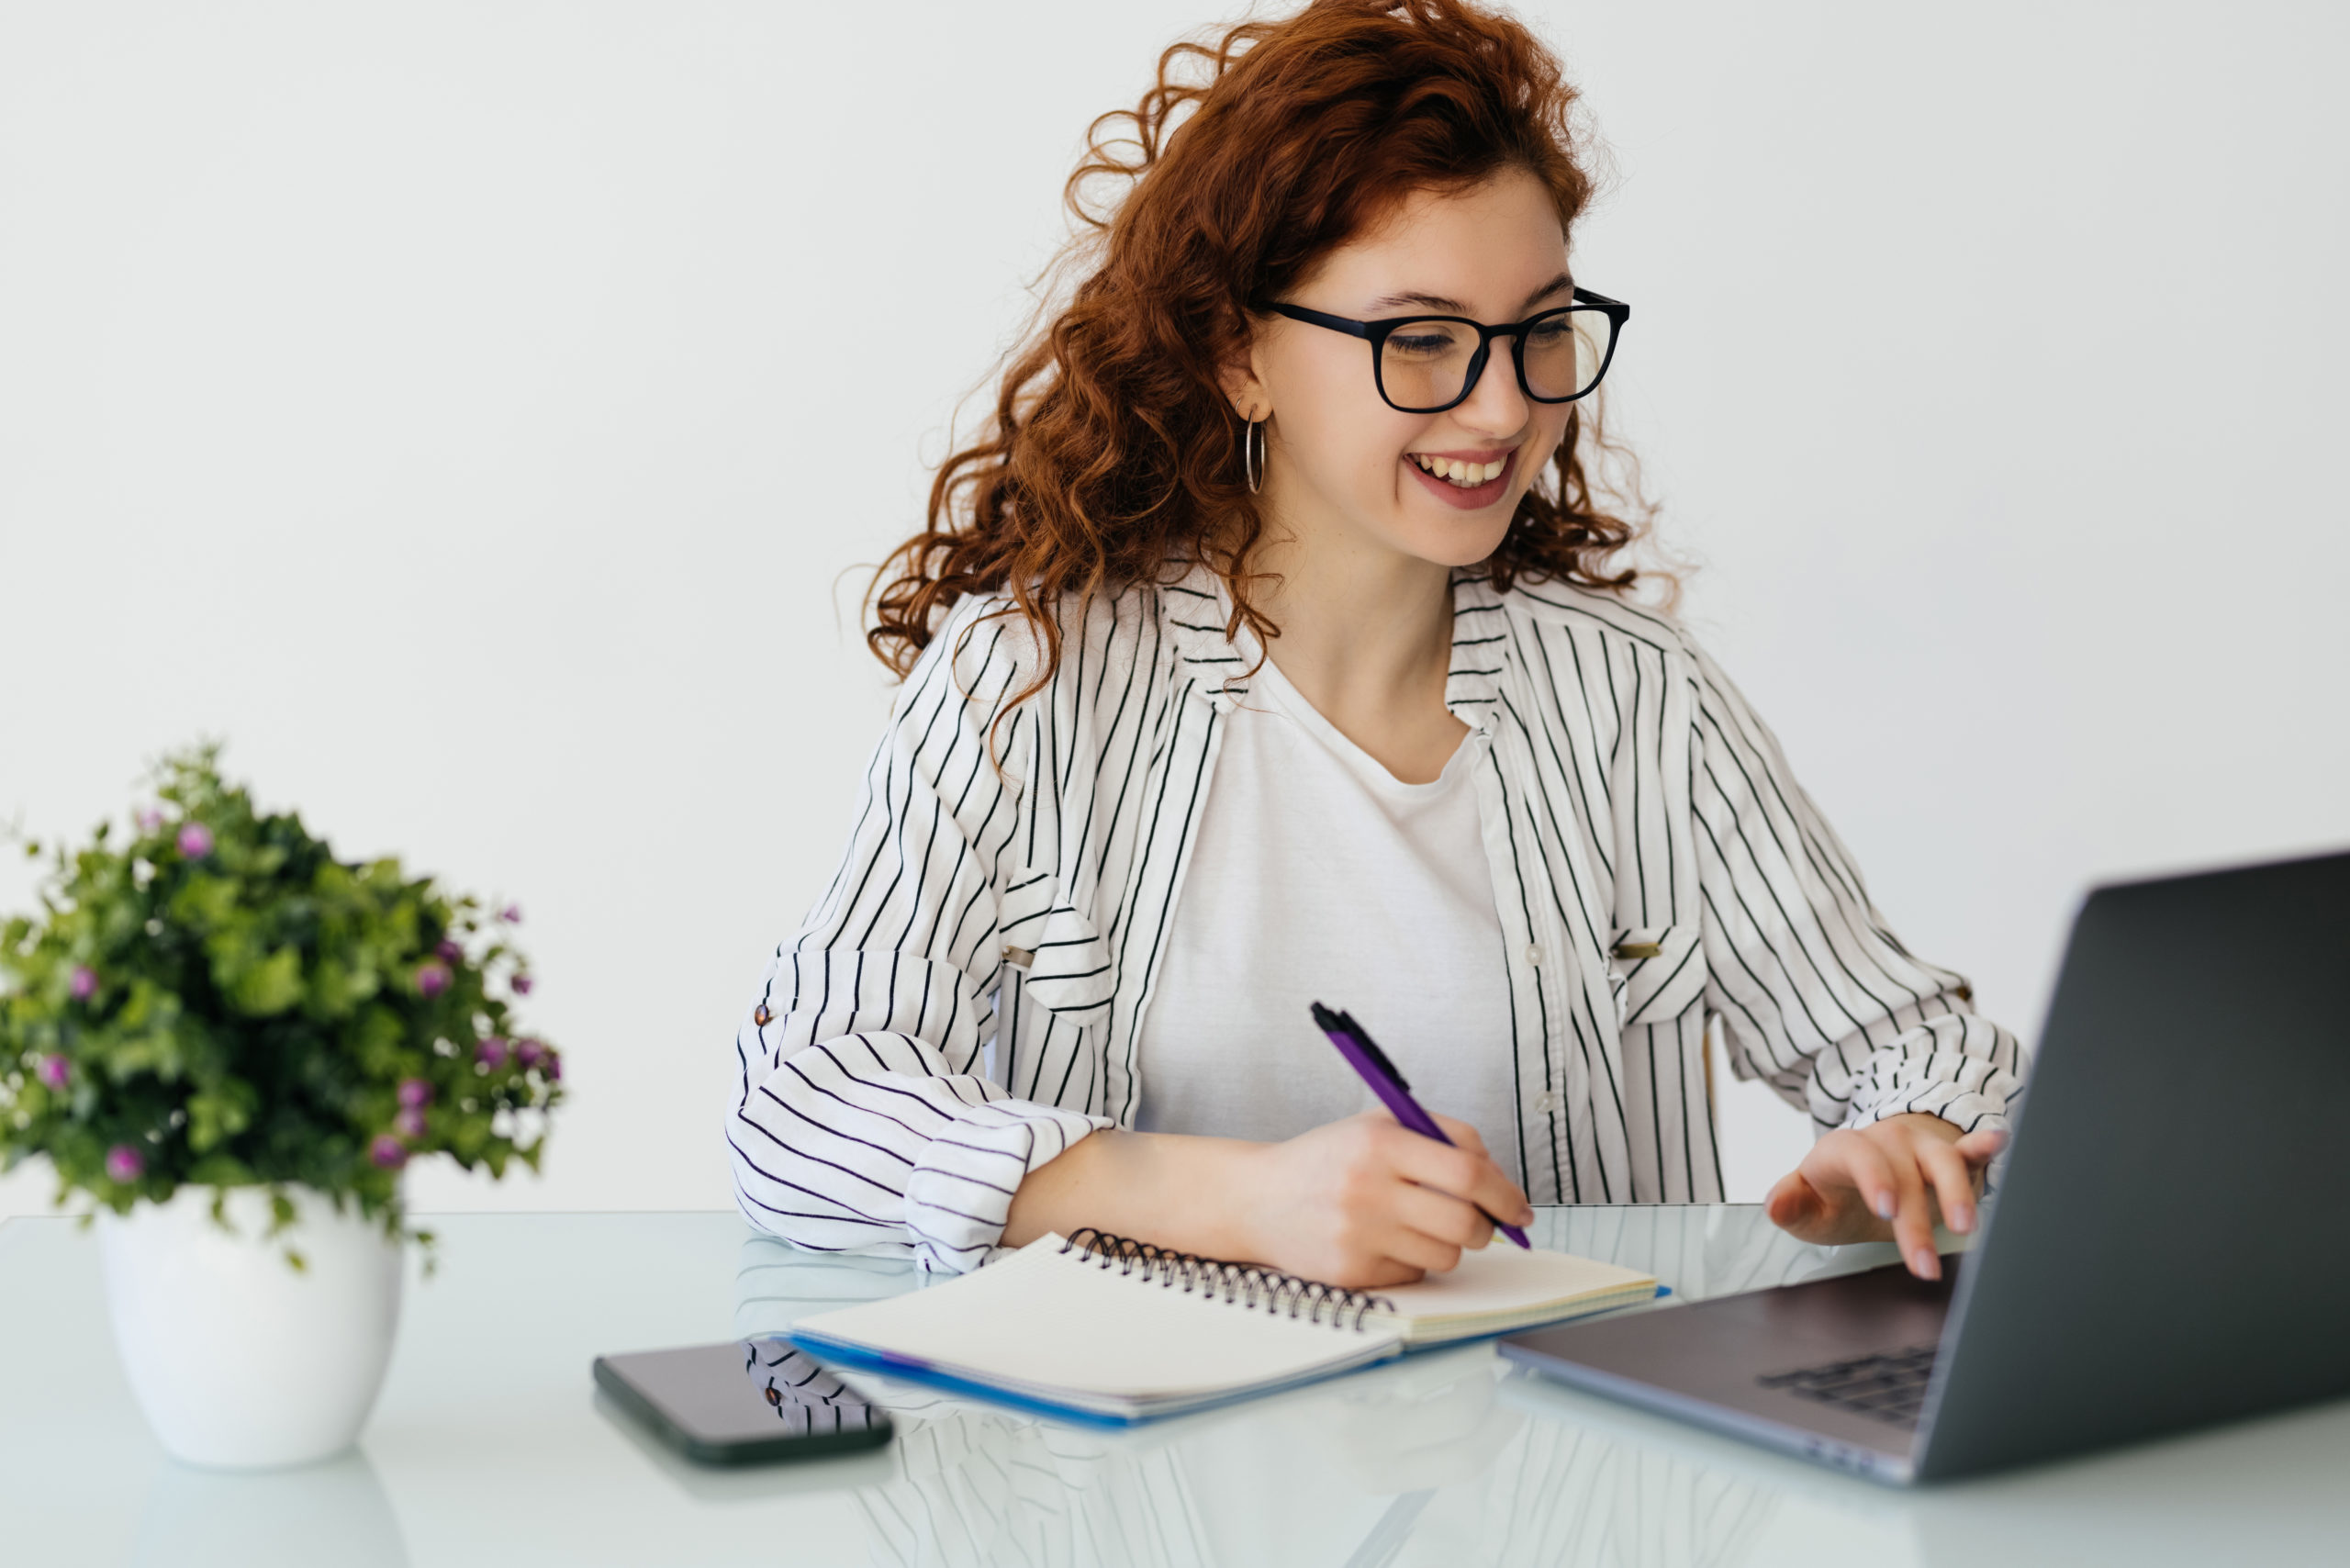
{"type": "Point", "coordinates": [1367, 1201]}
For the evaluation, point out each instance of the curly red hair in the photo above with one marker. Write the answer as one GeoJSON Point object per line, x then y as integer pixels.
{"type": "Point", "coordinates": [1113, 452]}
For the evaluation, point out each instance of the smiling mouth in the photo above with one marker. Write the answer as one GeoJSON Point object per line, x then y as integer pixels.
{"type": "Point", "coordinates": [1460, 475]}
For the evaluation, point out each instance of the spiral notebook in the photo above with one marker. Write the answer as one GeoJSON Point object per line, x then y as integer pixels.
{"type": "Point", "coordinates": [1100, 1328]}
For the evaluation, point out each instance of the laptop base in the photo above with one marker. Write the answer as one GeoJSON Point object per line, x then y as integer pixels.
{"type": "Point", "coordinates": [1757, 1365]}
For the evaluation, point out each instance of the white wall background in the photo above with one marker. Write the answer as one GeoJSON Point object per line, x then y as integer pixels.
{"type": "Point", "coordinates": [470, 410]}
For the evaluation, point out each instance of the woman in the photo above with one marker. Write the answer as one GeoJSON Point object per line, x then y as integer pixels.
{"type": "Point", "coordinates": [1274, 645]}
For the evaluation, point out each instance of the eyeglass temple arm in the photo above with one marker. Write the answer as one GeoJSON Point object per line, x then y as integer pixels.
{"type": "Point", "coordinates": [1621, 311]}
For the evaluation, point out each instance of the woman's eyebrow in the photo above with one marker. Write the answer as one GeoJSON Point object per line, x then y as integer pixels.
{"type": "Point", "coordinates": [1426, 301]}
{"type": "Point", "coordinates": [1453, 307]}
{"type": "Point", "coordinates": [1559, 285]}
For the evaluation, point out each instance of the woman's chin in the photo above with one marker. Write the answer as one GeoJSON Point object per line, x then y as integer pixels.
{"type": "Point", "coordinates": [1407, 524]}
{"type": "Point", "coordinates": [1454, 542]}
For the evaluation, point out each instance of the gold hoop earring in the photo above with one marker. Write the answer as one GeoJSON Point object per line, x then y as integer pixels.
{"type": "Point", "coordinates": [1252, 454]}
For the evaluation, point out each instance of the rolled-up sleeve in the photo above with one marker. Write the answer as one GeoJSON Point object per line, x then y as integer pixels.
{"type": "Point", "coordinates": [1817, 996]}
{"type": "Point", "coordinates": [862, 1119]}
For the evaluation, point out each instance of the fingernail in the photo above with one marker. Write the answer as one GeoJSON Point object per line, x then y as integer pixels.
{"type": "Point", "coordinates": [1885, 1205]}
{"type": "Point", "coordinates": [1926, 1265]}
{"type": "Point", "coordinates": [1962, 1220]}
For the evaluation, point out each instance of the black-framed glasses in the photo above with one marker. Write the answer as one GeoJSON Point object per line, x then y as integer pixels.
{"type": "Point", "coordinates": [1425, 365]}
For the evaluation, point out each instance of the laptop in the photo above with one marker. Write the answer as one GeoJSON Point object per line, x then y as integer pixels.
{"type": "Point", "coordinates": [2169, 1245]}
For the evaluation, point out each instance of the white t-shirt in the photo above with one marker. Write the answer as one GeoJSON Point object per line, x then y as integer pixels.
{"type": "Point", "coordinates": [1319, 876]}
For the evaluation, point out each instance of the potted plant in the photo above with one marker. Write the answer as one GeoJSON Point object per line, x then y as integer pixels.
{"type": "Point", "coordinates": [230, 1043]}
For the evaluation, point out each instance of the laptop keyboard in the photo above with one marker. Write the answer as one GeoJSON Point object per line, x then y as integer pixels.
{"type": "Point", "coordinates": [1891, 1387]}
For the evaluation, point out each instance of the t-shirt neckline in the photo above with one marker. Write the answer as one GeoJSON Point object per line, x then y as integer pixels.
{"type": "Point", "coordinates": [1293, 704]}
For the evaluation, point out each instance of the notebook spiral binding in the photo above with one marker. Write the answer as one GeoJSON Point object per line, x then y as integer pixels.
{"type": "Point", "coordinates": [1246, 1283]}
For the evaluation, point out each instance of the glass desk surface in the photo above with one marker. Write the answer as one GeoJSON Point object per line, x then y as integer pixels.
{"type": "Point", "coordinates": [489, 1445]}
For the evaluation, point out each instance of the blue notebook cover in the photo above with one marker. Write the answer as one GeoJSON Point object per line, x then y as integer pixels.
{"type": "Point", "coordinates": [833, 1353]}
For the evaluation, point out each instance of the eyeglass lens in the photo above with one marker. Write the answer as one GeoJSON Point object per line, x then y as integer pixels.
{"type": "Point", "coordinates": [1423, 364]}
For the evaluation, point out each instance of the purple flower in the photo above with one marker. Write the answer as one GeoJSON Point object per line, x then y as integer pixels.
{"type": "Point", "coordinates": [529, 1053]}
{"type": "Point", "coordinates": [431, 979]}
{"type": "Point", "coordinates": [450, 951]}
{"type": "Point", "coordinates": [85, 983]}
{"type": "Point", "coordinates": [196, 841]}
{"type": "Point", "coordinates": [54, 1072]}
{"type": "Point", "coordinates": [491, 1053]}
{"type": "Point", "coordinates": [150, 818]}
{"type": "Point", "coordinates": [554, 1068]}
{"type": "Point", "coordinates": [511, 915]}
{"type": "Point", "coordinates": [521, 984]}
{"type": "Point", "coordinates": [408, 1123]}
{"type": "Point", "coordinates": [415, 1093]}
{"type": "Point", "coordinates": [124, 1163]}
{"type": "Point", "coordinates": [387, 1152]}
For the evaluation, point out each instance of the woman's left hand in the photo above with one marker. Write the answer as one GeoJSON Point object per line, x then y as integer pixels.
{"type": "Point", "coordinates": [1887, 1181]}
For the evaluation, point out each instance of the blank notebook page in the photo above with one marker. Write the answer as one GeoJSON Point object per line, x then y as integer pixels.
{"type": "Point", "coordinates": [1047, 1320]}
{"type": "Point", "coordinates": [1499, 1286]}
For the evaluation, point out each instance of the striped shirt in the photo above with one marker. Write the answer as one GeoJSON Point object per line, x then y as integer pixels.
{"type": "Point", "coordinates": [963, 1003]}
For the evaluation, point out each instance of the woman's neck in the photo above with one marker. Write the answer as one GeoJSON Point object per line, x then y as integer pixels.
{"type": "Point", "coordinates": [1366, 636]}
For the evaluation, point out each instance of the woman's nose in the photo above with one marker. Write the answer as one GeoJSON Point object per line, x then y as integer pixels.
{"type": "Point", "coordinates": [1497, 405]}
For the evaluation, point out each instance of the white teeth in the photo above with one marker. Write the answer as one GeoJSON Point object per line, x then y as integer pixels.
{"type": "Point", "coordinates": [1468, 476]}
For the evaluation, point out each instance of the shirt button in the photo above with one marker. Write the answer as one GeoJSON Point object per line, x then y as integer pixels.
{"type": "Point", "coordinates": [1534, 954]}
{"type": "Point", "coordinates": [1554, 1102]}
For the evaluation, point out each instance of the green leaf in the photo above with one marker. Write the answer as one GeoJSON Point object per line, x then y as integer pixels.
{"type": "Point", "coordinates": [219, 1170]}
{"type": "Point", "coordinates": [270, 986]}
{"type": "Point", "coordinates": [205, 900]}
{"type": "Point", "coordinates": [215, 1117]}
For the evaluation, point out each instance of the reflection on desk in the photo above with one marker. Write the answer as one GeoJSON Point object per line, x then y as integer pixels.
{"type": "Point", "coordinates": [488, 1447]}
{"type": "Point", "coordinates": [1415, 1462]}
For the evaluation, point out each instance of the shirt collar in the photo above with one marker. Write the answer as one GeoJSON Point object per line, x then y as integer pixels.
{"type": "Point", "coordinates": [1481, 651]}
{"type": "Point", "coordinates": [1197, 607]}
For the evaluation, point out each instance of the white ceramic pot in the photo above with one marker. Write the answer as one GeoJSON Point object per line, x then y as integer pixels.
{"type": "Point", "coordinates": [238, 1360]}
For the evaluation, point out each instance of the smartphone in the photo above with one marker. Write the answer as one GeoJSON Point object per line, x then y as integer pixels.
{"type": "Point", "coordinates": [747, 1402]}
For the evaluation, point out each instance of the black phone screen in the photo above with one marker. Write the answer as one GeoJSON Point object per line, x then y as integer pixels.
{"type": "Point", "coordinates": [744, 1400]}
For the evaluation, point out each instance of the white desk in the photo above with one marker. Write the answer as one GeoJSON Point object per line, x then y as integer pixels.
{"type": "Point", "coordinates": [488, 1446]}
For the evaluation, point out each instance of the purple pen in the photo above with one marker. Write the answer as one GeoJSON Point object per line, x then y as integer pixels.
{"type": "Point", "coordinates": [1354, 1044]}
